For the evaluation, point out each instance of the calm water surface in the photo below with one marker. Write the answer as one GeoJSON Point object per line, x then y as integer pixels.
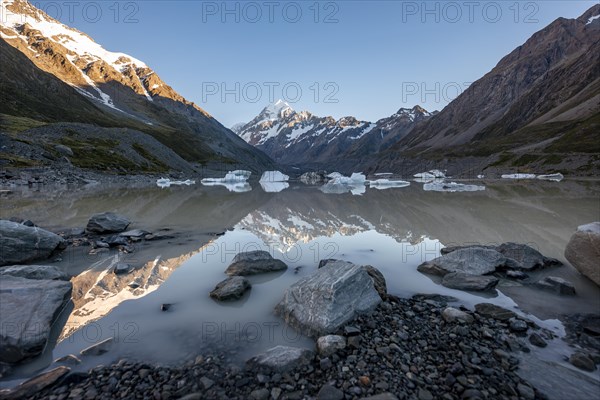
{"type": "Point", "coordinates": [394, 230]}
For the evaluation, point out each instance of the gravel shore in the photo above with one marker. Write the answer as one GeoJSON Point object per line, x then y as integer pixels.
{"type": "Point", "coordinates": [406, 349]}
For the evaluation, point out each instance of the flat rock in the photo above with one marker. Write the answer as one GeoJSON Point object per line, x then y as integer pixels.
{"type": "Point", "coordinates": [135, 233]}
{"type": "Point", "coordinates": [122, 268]}
{"type": "Point", "coordinates": [107, 222]}
{"type": "Point", "coordinates": [462, 281]}
{"type": "Point", "coordinates": [46, 272]}
{"type": "Point", "coordinates": [472, 261]}
{"type": "Point", "coordinates": [556, 285]}
{"type": "Point", "coordinates": [382, 396]}
{"type": "Point", "coordinates": [20, 244]}
{"type": "Point", "coordinates": [34, 385]}
{"type": "Point", "coordinates": [493, 311]}
{"type": "Point", "coordinates": [524, 257]}
{"type": "Point", "coordinates": [281, 358]}
{"type": "Point", "coordinates": [583, 251]}
{"type": "Point", "coordinates": [451, 314]}
{"type": "Point", "coordinates": [232, 288]}
{"type": "Point", "coordinates": [254, 262]}
{"type": "Point", "coordinates": [327, 345]}
{"type": "Point", "coordinates": [324, 301]}
{"type": "Point", "coordinates": [99, 348]}
{"type": "Point", "coordinates": [28, 308]}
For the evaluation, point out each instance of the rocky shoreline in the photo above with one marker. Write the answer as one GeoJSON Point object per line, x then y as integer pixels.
{"type": "Point", "coordinates": [407, 348]}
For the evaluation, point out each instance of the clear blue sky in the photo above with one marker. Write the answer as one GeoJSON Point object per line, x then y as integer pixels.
{"type": "Point", "coordinates": [373, 57]}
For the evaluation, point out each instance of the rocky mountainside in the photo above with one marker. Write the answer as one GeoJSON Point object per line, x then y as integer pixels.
{"type": "Point", "coordinates": [292, 137]}
{"type": "Point", "coordinates": [52, 73]}
{"type": "Point", "coordinates": [538, 109]}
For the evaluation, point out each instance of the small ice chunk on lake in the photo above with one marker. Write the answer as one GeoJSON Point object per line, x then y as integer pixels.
{"type": "Point", "coordinates": [433, 174]}
{"type": "Point", "coordinates": [480, 176]}
{"type": "Point", "coordinates": [518, 176]}
{"type": "Point", "coordinates": [274, 176]}
{"type": "Point", "coordinates": [382, 184]}
{"type": "Point", "coordinates": [231, 176]}
{"type": "Point", "coordinates": [165, 183]}
{"type": "Point", "coordinates": [552, 177]}
{"type": "Point", "coordinates": [451, 187]}
{"type": "Point", "coordinates": [274, 187]}
{"type": "Point", "coordinates": [343, 184]}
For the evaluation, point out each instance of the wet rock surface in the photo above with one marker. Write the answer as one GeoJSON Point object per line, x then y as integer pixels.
{"type": "Point", "coordinates": [253, 263]}
{"type": "Point", "coordinates": [327, 299]}
{"type": "Point", "coordinates": [583, 251]}
{"type": "Point", "coordinates": [107, 222]}
{"type": "Point", "coordinates": [20, 243]}
{"type": "Point", "coordinates": [28, 308]}
{"type": "Point", "coordinates": [232, 288]}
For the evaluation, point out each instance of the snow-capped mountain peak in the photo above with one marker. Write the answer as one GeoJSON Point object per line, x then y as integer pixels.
{"type": "Point", "coordinates": [277, 110]}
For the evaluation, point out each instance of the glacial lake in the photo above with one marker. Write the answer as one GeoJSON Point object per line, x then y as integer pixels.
{"type": "Point", "coordinates": [205, 227]}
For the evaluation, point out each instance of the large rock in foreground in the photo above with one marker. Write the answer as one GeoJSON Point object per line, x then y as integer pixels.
{"type": "Point", "coordinates": [27, 310]}
{"type": "Point", "coordinates": [21, 243]}
{"type": "Point", "coordinates": [107, 222]}
{"type": "Point", "coordinates": [471, 260]}
{"type": "Point", "coordinates": [583, 251]}
{"type": "Point", "coordinates": [375, 274]}
{"type": "Point", "coordinates": [324, 301]}
{"type": "Point", "coordinates": [253, 263]}
{"type": "Point", "coordinates": [47, 272]}
{"type": "Point", "coordinates": [281, 359]}
{"type": "Point", "coordinates": [34, 385]}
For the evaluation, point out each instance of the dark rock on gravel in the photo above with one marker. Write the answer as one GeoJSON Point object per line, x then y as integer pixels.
{"type": "Point", "coordinates": [556, 285]}
{"type": "Point", "coordinates": [537, 340]}
{"type": "Point", "coordinates": [281, 358]}
{"type": "Point", "coordinates": [123, 268]}
{"type": "Point", "coordinates": [493, 311]}
{"type": "Point", "coordinates": [254, 262]}
{"type": "Point", "coordinates": [107, 222]}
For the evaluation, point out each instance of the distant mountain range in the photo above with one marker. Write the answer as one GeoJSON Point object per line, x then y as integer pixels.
{"type": "Point", "coordinates": [292, 137]}
{"type": "Point", "coordinates": [538, 110]}
{"type": "Point", "coordinates": [51, 73]}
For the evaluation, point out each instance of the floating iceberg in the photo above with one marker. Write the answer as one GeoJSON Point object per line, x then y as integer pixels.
{"type": "Point", "coordinates": [274, 187]}
{"type": "Point", "coordinates": [238, 187]}
{"type": "Point", "coordinates": [342, 184]}
{"type": "Point", "coordinates": [334, 175]}
{"type": "Point", "coordinates": [552, 177]}
{"type": "Point", "coordinates": [231, 177]}
{"type": "Point", "coordinates": [480, 176]}
{"type": "Point", "coordinates": [274, 176]}
{"type": "Point", "coordinates": [518, 176]}
{"type": "Point", "coordinates": [384, 173]}
{"type": "Point", "coordinates": [165, 183]}
{"type": "Point", "coordinates": [382, 184]}
{"type": "Point", "coordinates": [433, 174]}
{"type": "Point", "coordinates": [451, 187]}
